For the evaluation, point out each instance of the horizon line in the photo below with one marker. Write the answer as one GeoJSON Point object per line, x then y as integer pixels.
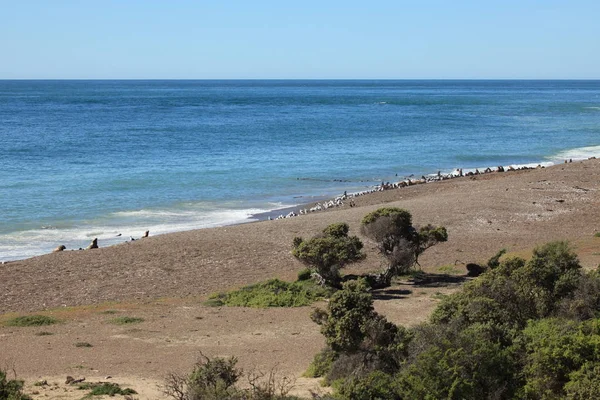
{"type": "Point", "coordinates": [299, 79]}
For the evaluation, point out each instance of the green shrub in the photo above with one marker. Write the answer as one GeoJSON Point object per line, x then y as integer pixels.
{"type": "Point", "coordinates": [499, 337]}
{"type": "Point", "coordinates": [11, 389]}
{"type": "Point", "coordinates": [105, 389]}
{"type": "Point", "coordinates": [359, 340]}
{"type": "Point", "coordinates": [321, 364]}
{"type": "Point", "coordinates": [597, 234]}
{"type": "Point", "coordinates": [451, 363]}
{"type": "Point", "coordinates": [329, 252]}
{"type": "Point", "coordinates": [557, 351]}
{"type": "Point", "coordinates": [449, 269]}
{"type": "Point", "coordinates": [347, 311]}
{"type": "Point", "coordinates": [338, 230]}
{"type": "Point", "coordinates": [494, 261]}
{"type": "Point", "coordinates": [126, 320]}
{"type": "Point", "coordinates": [516, 291]}
{"type": "Point", "coordinates": [584, 383]}
{"type": "Point", "coordinates": [403, 218]}
{"type": "Point", "coordinates": [584, 302]}
{"type": "Point", "coordinates": [398, 241]}
{"type": "Point", "coordinates": [375, 386]}
{"type": "Point", "coordinates": [83, 344]}
{"type": "Point", "coordinates": [32, 320]}
{"type": "Point", "coordinates": [215, 379]}
{"type": "Point", "coordinates": [273, 293]}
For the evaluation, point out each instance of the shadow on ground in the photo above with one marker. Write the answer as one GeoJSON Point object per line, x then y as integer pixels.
{"type": "Point", "coordinates": [390, 294]}
{"type": "Point", "coordinates": [425, 279]}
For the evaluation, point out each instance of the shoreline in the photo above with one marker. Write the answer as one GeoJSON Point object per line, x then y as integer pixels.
{"type": "Point", "coordinates": [482, 214]}
{"type": "Point", "coordinates": [164, 279]}
{"type": "Point", "coordinates": [324, 202]}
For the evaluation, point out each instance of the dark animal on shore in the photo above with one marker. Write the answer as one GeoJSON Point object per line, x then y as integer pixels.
{"type": "Point", "coordinates": [59, 248]}
{"type": "Point", "coordinates": [146, 234]}
{"type": "Point", "coordinates": [93, 245]}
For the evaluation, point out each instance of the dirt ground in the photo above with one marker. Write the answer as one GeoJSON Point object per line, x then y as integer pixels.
{"type": "Point", "coordinates": [164, 280]}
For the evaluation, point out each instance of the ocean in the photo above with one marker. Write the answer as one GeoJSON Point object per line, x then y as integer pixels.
{"type": "Point", "coordinates": [86, 159]}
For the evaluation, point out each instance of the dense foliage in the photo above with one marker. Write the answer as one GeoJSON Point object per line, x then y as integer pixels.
{"type": "Point", "coordinates": [398, 241]}
{"type": "Point", "coordinates": [522, 330]}
{"type": "Point", "coordinates": [272, 293]}
{"type": "Point", "coordinates": [329, 252]}
{"type": "Point", "coordinates": [11, 389]}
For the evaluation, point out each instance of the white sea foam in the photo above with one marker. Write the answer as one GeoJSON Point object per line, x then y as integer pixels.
{"type": "Point", "coordinates": [117, 228]}
{"type": "Point", "coordinates": [580, 153]}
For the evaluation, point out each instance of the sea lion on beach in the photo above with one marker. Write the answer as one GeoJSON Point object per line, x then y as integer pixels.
{"type": "Point", "coordinates": [93, 245]}
{"type": "Point", "coordinates": [146, 234]}
{"type": "Point", "coordinates": [59, 248]}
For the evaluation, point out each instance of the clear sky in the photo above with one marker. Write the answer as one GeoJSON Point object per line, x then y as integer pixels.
{"type": "Point", "coordinates": [279, 39]}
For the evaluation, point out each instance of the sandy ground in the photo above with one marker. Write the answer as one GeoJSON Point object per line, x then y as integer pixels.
{"type": "Point", "coordinates": [164, 279]}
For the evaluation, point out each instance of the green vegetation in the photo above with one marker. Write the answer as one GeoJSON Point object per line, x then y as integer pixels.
{"type": "Point", "coordinates": [215, 379]}
{"type": "Point", "coordinates": [105, 389]}
{"type": "Point", "coordinates": [44, 333]}
{"type": "Point", "coordinates": [272, 293]}
{"type": "Point", "coordinates": [32, 320]}
{"type": "Point", "coordinates": [126, 320]}
{"type": "Point", "coordinates": [398, 241]}
{"type": "Point", "coordinates": [439, 296]}
{"type": "Point", "coordinates": [320, 364]}
{"type": "Point", "coordinates": [83, 344]}
{"type": "Point", "coordinates": [597, 234]}
{"type": "Point", "coordinates": [523, 329]}
{"type": "Point", "coordinates": [449, 269]}
{"type": "Point", "coordinates": [328, 252]}
{"type": "Point", "coordinates": [391, 228]}
{"type": "Point", "coordinates": [11, 389]}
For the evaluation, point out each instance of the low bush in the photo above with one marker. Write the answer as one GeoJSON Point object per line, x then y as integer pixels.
{"type": "Point", "coordinates": [376, 385]}
{"type": "Point", "coordinates": [523, 329]}
{"type": "Point", "coordinates": [11, 389]}
{"type": "Point", "coordinates": [32, 320]}
{"type": "Point", "coordinates": [216, 378]}
{"type": "Point", "coordinates": [321, 364]}
{"type": "Point", "coordinates": [272, 293]}
{"type": "Point", "coordinates": [105, 389]}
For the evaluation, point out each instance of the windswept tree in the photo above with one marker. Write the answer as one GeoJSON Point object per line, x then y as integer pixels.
{"type": "Point", "coordinates": [328, 252]}
{"type": "Point", "coordinates": [398, 241]}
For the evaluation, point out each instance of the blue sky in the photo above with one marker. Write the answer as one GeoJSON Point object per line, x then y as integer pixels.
{"type": "Point", "coordinates": [120, 39]}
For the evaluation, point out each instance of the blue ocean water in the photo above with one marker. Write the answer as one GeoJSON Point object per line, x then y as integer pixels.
{"type": "Point", "coordinates": [85, 159]}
